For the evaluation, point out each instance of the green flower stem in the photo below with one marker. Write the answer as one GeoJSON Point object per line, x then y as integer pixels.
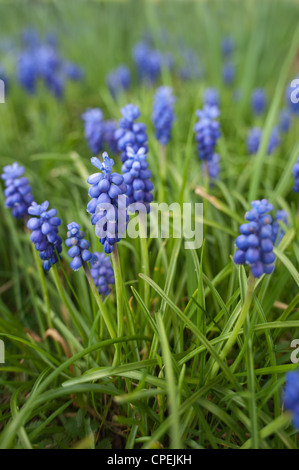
{"type": "Point", "coordinates": [44, 291]}
{"type": "Point", "coordinates": [234, 334]}
{"type": "Point", "coordinates": [119, 300]}
{"type": "Point", "coordinates": [66, 301]}
{"type": "Point", "coordinates": [99, 302]}
{"type": "Point", "coordinates": [145, 259]}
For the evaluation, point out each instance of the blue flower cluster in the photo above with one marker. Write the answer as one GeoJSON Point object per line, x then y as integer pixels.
{"type": "Point", "coordinates": [44, 235]}
{"type": "Point", "coordinates": [254, 140]}
{"type": "Point", "coordinates": [130, 132]}
{"type": "Point", "coordinates": [148, 62]}
{"type": "Point", "coordinates": [102, 273]}
{"type": "Point", "coordinates": [296, 176]}
{"type": "Point", "coordinates": [118, 80]}
{"type": "Point", "coordinates": [94, 129]}
{"type": "Point", "coordinates": [78, 246]}
{"type": "Point", "coordinates": [163, 114]}
{"type": "Point", "coordinates": [228, 73]}
{"type": "Point", "coordinates": [281, 217]}
{"type": "Point", "coordinates": [103, 207]}
{"type": "Point", "coordinates": [227, 46]}
{"type": "Point", "coordinates": [17, 191]}
{"type": "Point", "coordinates": [258, 101]}
{"type": "Point", "coordinates": [207, 131]}
{"type": "Point", "coordinates": [285, 120]}
{"type": "Point", "coordinates": [211, 97]}
{"type": "Point", "coordinates": [137, 177]}
{"type": "Point", "coordinates": [255, 245]}
{"type": "Point", "coordinates": [291, 395]}
{"type": "Point", "coordinates": [42, 61]}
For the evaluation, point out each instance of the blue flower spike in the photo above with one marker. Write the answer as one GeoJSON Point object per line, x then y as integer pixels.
{"type": "Point", "coordinates": [106, 188]}
{"type": "Point", "coordinates": [102, 273]}
{"type": "Point", "coordinates": [296, 176]}
{"type": "Point", "coordinates": [258, 101]}
{"type": "Point", "coordinates": [291, 396]}
{"type": "Point", "coordinates": [255, 245]}
{"type": "Point", "coordinates": [130, 132]}
{"type": "Point", "coordinates": [17, 191]}
{"type": "Point", "coordinates": [78, 246]}
{"type": "Point", "coordinates": [163, 114]}
{"type": "Point", "coordinates": [44, 226]}
{"type": "Point", "coordinates": [137, 177]}
{"type": "Point", "coordinates": [94, 129]}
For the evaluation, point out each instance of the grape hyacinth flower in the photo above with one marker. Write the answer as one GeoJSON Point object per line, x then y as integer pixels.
{"type": "Point", "coordinates": [207, 131]}
{"type": "Point", "coordinates": [148, 61]}
{"type": "Point", "coordinates": [94, 129]}
{"type": "Point", "coordinates": [258, 101]}
{"type": "Point", "coordinates": [255, 245]}
{"type": "Point", "coordinates": [130, 132]}
{"type": "Point", "coordinates": [277, 229]}
{"type": "Point", "coordinates": [285, 120]}
{"type": "Point", "coordinates": [73, 71]}
{"type": "Point", "coordinates": [118, 80]}
{"type": "Point", "coordinates": [227, 46]}
{"type": "Point", "coordinates": [211, 97]}
{"type": "Point", "coordinates": [17, 191]}
{"type": "Point", "coordinates": [213, 167]}
{"type": "Point", "coordinates": [78, 246]}
{"type": "Point", "coordinates": [110, 127]}
{"type": "Point", "coordinates": [228, 73]}
{"type": "Point", "coordinates": [292, 95]}
{"type": "Point", "coordinates": [296, 176]}
{"type": "Point", "coordinates": [253, 140]}
{"type": "Point", "coordinates": [44, 226]}
{"type": "Point", "coordinates": [103, 207]}
{"type": "Point", "coordinates": [291, 395]}
{"type": "Point", "coordinates": [163, 114]}
{"type": "Point", "coordinates": [102, 273]}
{"type": "Point", "coordinates": [274, 140]}
{"type": "Point", "coordinates": [137, 177]}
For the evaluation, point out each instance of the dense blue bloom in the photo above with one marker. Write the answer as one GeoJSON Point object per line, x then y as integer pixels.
{"type": "Point", "coordinates": [104, 205]}
{"type": "Point", "coordinates": [255, 136]}
{"type": "Point", "coordinates": [94, 129]}
{"type": "Point", "coordinates": [137, 177]}
{"type": "Point", "coordinates": [281, 217]}
{"type": "Point", "coordinates": [253, 140]}
{"type": "Point", "coordinates": [17, 191]}
{"type": "Point", "coordinates": [207, 131]}
{"type": "Point", "coordinates": [296, 176]}
{"type": "Point", "coordinates": [274, 140]}
{"type": "Point", "coordinates": [255, 245]}
{"type": "Point", "coordinates": [44, 235]}
{"type": "Point", "coordinates": [73, 71]}
{"type": "Point", "coordinates": [27, 72]}
{"type": "Point", "coordinates": [118, 80]}
{"type": "Point", "coordinates": [285, 120]}
{"type": "Point", "coordinates": [228, 73]}
{"type": "Point", "coordinates": [213, 166]}
{"type": "Point", "coordinates": [292, 96]}
{"type": "Point", "coordinates": [148, 61]}
{"type": "Point", "coordinates": [291, 395]}
{"type": "Point", "coordinates": [102, 273]}
{"type": "Point", "coordinates": [258, 101]}
{"type": "Point", "coordinates": [78, 246]}
{"type": "Point", "coordinates": [227, 46]}
{"type": "Point", "coordinates": [130, 132]}
{"type": "Point", "coordinates": [163, 114]}
{"type": "Point", "coordinates": [211, 97]}
{"type": "Point", "coordinates": [110, 127]}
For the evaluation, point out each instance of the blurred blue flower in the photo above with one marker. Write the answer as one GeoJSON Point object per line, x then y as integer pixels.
{"type": "Point", "coordinates": [291, 395]}
{"type": "Point", "coordinates": [94, 129]}
{"type": "Point", "coordinates": [253, 140]}
{"type": "Point", "coordinates": [227, 46]}
{"type": "Point", "coordinates": [118, 80]}
{"type": "Point", "coordinates": [191, 68]}
{"type": "Point", "coordinates": [207, 131]}
{"type": "Point", "coordinates": [228, 73]}
{"type": "Point", "coordinates": [281, 217]}
{"type": "Point", "coordinates": [211, 97]}
{"type": "Point", "coordinates": [258, 101]}
{"type": "Point", "coordinates": [110, 127]}
{"type": "Point", "coordinates": [163, 114]}
{"type": "Point", "coordinates": [285, 120]}
{"type": "Point", "coordinates": [296, 176]}
{"type": "Point", "coordinates": [292, 96]}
